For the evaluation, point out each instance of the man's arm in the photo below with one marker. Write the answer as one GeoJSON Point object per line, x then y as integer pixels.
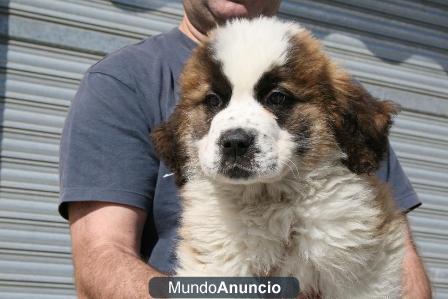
{"type": "Point", "coordinates": [106, 244]}
{"type": "Point", "coordinates": [415, 281]}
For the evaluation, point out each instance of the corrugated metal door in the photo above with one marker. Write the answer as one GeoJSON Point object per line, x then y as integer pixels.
{"type": "Point", "coordinates": [397, 48]}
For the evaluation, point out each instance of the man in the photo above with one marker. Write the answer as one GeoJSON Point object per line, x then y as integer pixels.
{"type": "Point", "coordinates": [121, 204]}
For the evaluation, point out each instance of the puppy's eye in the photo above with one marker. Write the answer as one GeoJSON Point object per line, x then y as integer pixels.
{"type": "Point", "coordinates": [213, 100]}
{"type": "Point", "coordinates": [276, 98]}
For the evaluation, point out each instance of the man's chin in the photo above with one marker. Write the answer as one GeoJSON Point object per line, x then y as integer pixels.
{"type": "Point", "coordinates": [225, 10]}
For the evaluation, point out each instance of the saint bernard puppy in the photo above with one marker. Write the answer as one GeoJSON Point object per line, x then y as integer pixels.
{"type": "Point", "coordinates": [274, 149]}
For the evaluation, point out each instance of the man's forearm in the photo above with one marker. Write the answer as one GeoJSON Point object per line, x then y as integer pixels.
{"type": "Point", "coordinates": [110, 272]}
{"type": "Point", "coordinates": [415, 280]}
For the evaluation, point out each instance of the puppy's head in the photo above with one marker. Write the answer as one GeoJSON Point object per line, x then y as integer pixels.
{"type": "Point", "coordinates": [261, 100]}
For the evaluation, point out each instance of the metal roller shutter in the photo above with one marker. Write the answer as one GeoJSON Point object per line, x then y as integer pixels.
{"type": "Point", "coordinates": [398, 49]}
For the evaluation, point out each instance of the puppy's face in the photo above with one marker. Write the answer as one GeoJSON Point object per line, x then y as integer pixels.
{"type": "Point", "coordinates": [261, 100]}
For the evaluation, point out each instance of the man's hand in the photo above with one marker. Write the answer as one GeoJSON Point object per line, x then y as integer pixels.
{"type": "Point", "coordinates": [106, 244]}
{"type": "Point", "coordinates": [415, 281]}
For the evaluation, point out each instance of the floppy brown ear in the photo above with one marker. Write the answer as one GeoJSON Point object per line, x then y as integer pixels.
{"type": "Point", "coordinates": [168, 149]}
{"type": "Point", "coordinates": [361, 126]}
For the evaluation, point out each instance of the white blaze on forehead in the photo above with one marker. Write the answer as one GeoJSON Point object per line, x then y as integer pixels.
{"type": "Point", "coordinates": [248, 48]}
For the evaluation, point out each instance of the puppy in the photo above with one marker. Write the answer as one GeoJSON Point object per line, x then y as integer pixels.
{"type": "Point", "coordinates": [273, 147]}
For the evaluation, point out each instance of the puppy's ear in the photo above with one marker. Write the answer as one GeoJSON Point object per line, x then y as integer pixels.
{"type": "Point", "coordinates": [168, 149]}
{"type": "Point", "coordinates": [361, 126]}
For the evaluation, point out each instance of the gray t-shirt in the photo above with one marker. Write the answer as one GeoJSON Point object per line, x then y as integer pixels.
{"type": "Point", "coordinates": [106, 153]}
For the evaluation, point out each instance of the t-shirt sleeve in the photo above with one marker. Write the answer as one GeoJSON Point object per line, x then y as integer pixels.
{"type": "Point", "coordinates": [105, 151]}
{"type": "Point", "coordinates": [390, 171]}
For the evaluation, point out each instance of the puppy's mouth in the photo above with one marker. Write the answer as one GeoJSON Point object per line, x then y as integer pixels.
{"type": "Point", "coordinates": [248, 173]}
{"type": "Point", "coordinates": [236, 171]}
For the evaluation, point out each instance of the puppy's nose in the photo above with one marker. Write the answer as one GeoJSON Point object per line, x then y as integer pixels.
{"type": "Point", "coordinates": [236, 142]}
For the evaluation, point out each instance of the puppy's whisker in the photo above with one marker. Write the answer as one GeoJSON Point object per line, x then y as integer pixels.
{"type": "Point", "coordinates": [291, 168]}
{"type": "Point", "coordinates": [295, 166]}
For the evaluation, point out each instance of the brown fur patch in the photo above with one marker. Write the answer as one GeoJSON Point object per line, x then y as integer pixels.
{"type": "Point", "coordinates": [360, 123]}
{"type": "Point", "coordinates": [201, 75]}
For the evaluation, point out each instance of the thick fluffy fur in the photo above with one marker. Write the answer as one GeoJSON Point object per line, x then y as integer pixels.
{"type": "Point", "coordinates": [300, 199]}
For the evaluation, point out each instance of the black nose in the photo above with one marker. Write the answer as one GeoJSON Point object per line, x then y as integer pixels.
{"type": "Point", "coordinates": [236, 142]}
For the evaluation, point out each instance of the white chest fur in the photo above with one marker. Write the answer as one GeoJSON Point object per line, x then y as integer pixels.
{"type": "Point", "coordinates": [325, 229]}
